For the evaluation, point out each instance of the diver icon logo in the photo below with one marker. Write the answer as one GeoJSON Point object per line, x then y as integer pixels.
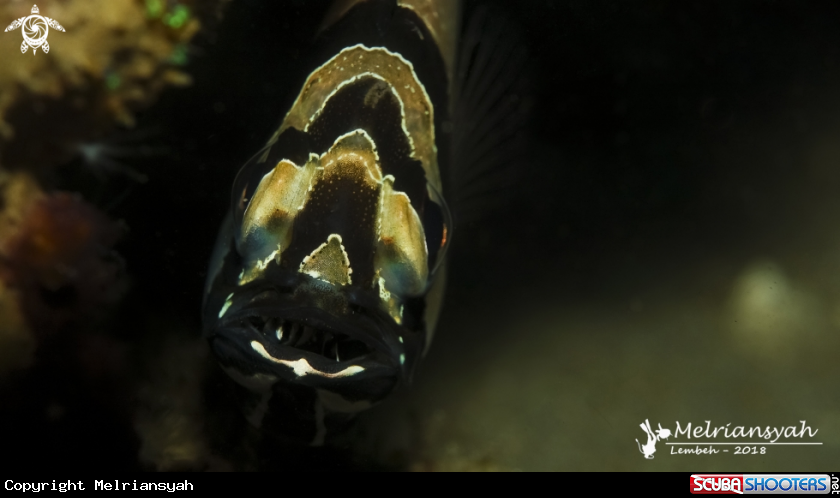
{"type": "Point", "coordinates": [649, 448]}
{"type": "Point", "coordinates": [35, 30]}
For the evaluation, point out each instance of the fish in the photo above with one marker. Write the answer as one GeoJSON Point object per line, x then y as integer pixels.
{"type": "Point", "coordinates": [327, 278]}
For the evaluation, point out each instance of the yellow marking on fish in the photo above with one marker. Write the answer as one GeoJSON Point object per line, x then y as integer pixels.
{"type": "Point", "coordinates": [417, 111]}
{"type": "Point", "coordinates": [329, 262]}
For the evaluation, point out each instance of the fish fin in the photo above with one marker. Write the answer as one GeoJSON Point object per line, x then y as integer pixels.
{"type": "Point", "coordinates": [336, 11]}
{"type": "Point", "coordinates": [491, 106]}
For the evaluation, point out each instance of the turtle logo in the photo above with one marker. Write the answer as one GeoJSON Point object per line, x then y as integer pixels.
{"type": "Point", "coordinates": [35, 30]}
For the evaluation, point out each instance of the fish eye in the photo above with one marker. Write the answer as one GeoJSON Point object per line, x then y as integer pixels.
{"type": "Point", "coordinates": [437, 225]}
{"type": "Point", "coordinates": [436, 217]}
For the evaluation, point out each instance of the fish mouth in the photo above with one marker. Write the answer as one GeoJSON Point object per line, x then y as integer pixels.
{"type": "Point", "coordinates": [353, 349]}
{"type": "Point", "coordinates": [328, 343]}
{"type": "Point", "coordinates": [303, 334]}
{"type": "Point", "coordinates": [308, 337]}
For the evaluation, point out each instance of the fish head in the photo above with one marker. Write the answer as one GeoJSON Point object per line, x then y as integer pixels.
{"type": "Point", "coordinates": [322, 274]}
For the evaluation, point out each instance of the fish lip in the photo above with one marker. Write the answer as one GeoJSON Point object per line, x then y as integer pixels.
{"type": "Point", "coordinates": [373, 384]}
{"type": "Point", "coordinates": [380, 338]}
{"type": "Point", "coordinates": [244, 353]}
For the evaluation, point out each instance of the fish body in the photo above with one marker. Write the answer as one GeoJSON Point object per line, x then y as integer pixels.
{"type": "Point", "coordinates": [327, 276]}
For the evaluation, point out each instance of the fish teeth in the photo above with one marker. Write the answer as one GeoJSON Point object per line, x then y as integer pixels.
{"type": "Point", "coordinates": [279, 330]}
{"type": "Point", "coordinates": [300, 335]}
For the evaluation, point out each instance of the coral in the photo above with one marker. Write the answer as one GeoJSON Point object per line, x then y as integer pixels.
{"type": "Point", "coordinates": [61, 263]}
{"type": "Point", "coordinates": [16, 342]}
{"type": "Point", "coordinates": [66, 370]}
{"type": "Point", "coordinates": [17, 194]}
{"type": "Point", "coordinates": [114, 57]}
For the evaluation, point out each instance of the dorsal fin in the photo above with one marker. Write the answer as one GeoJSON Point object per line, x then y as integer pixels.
{"type": "Point", "coordinates": [491, 106]}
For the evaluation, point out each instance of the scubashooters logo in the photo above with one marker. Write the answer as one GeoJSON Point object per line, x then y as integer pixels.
{"type": "Point", "coordinates": [745, 484]}
{"type": "Point", "coordinates": [35, 30]}
{"type": "Point", "coordinates": [706, 439]}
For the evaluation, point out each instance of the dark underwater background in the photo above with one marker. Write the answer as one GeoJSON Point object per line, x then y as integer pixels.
{"type": "Point", "coordinates": [670, 252]}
